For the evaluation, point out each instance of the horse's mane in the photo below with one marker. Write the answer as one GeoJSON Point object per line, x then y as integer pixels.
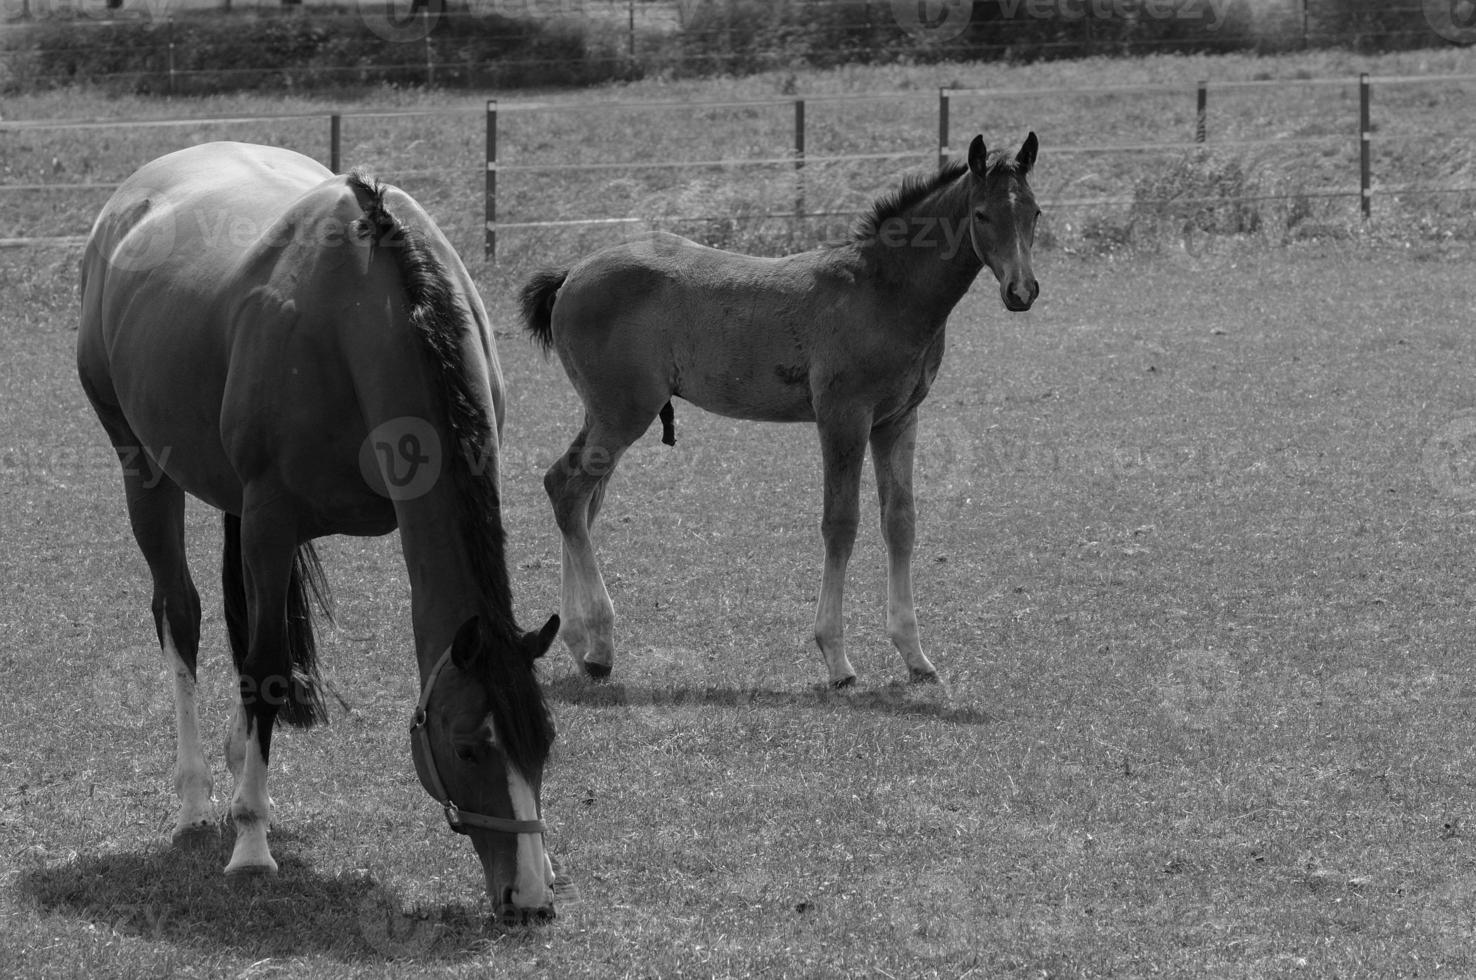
{"type": "Point", "coordinates": [519, 711]}
{"type": "Point", "coordinates": [915, 188]}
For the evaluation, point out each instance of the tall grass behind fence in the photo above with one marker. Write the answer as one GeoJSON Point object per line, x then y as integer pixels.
{"type": "Point", "coordinates": [166, 47]}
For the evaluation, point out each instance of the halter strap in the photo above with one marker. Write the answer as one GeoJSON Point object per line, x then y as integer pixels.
{"type": "Point", "coordinates": [430, 776]}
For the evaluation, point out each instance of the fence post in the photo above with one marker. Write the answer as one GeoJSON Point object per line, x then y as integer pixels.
{"type": "Point", "coordinates": [335, 143]}
{"type": "Point", "coordinates": [942, 126]}
{"type": "Point", "coordinates": [430, 71]}
{"type": "Point", "coordinates": [1365, 146]}
{"type": "Point", "coordinates": [799, 158]}
{"type": "Point", "coordinates": [490, 244]}
{"type": "Point", "coordinates": [1201, 115]}
{"type": "Point", "coordinates": [171, 55]}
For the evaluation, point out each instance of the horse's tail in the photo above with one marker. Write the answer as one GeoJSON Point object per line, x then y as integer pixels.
{"type": "Point", "coordinates": [538, 299]}
{"type": "Point", "coordinates": [307, 587]}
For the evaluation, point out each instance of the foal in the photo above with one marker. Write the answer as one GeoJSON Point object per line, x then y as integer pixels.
{"type": "Point", "coordinates": [847, 336]}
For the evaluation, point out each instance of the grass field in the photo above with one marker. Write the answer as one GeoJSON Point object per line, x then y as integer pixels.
{"type": "Point", "coordinates": [1193, 560]}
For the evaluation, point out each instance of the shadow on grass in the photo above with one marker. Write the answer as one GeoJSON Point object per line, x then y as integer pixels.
{"type": "Point", "coordinates": [178, 895]}
{"type": "Point", "coordinates": [904, 700]}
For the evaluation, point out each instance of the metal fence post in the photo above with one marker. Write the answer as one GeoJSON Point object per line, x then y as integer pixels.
{"type": "Point", "coordinates": [430, 71]}
{"type": "Point", "coordinates": [335, 143]}
{"type": "Point", "coordinates": [799, 157]}
{"type": "Point", "coordinates": [942, 126]}
{"type": "Point", "coordinates": [1365, 146]}
{"type": "Point", "coordinates": [1201, 115]}
{"type": "Point", "coordinates": [490, 244]}
{"type": "Point", "coordinates": [171, 55]}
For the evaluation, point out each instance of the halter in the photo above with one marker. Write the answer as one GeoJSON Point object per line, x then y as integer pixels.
{"type": "Point", "coordinates": [430, 777]}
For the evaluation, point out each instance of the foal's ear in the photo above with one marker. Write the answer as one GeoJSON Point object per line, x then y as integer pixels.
{"type": "Point", "coordinates": [1025, 159]}
{"type": "Point", "coordinates": [978, 157]}
{"type": "Point", "coordinates": [468, 643]}
{"type": "Point", "coordinates": [537, 644]}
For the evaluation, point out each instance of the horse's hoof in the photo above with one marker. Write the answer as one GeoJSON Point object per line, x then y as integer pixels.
{"type": "Point", "coordinates": [247, 871]}
{"type": "Point", "coordinates": [190, 833]}
{"type": "Point", "coordinates": [843, 683]}
{"type": "Point", "coordinates": [596, 671]}
{"type": "Point", "coordinates": [923, 677]}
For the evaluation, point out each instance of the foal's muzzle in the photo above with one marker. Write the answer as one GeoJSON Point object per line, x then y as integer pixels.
{"type": "Point", "coordinates": [511, 915]}
{"type": "Point", "coordinates": [1019, 297]}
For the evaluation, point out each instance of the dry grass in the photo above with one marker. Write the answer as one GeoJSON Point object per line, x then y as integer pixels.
{"type": "Point", "coordinates": [1193, 562]}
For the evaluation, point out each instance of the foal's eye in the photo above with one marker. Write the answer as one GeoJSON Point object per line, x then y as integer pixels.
{"type": "Point", "coordinates": [980, 216]}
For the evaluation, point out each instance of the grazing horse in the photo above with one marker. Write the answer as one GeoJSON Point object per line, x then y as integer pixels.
{"type": "Point", "coordinates": [848, 336]}
{"type": "Point", "coordinates": [307, 354]}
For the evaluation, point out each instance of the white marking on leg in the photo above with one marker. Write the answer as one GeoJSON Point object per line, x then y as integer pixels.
{"type": "Point", "coordinates": [533, 887]}
{"type": "Point", "coordinates": [250, 809]}
{"type": "Point", "coordinates": [192, 781]}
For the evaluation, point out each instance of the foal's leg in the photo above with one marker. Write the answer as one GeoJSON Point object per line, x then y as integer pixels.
{"type": "Point", "coordinates": [576, 487]}
{"type": "Point", "coordinates": [268, 543]}
{"type": "Point", "coordinates": [892, 449]}
{"type": "Point", "coordinates": [843, 448]}
{"type": "Point", "coordinates": [156, 512]}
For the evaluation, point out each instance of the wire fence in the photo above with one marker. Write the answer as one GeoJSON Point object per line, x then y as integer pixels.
{"type": "Point", "coordinates": [524, 187]}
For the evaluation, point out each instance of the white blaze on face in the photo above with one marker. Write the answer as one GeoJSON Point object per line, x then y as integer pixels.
{"type": "Point", "coordinates": [534, 885]}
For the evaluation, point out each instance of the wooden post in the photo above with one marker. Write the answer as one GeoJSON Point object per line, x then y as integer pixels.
{"type": "Point", "coordinates": [430, 71]}
{"type": "Point", "coordinates": [1365, 145]}
{"type": "Point", "coordinates": [1201, 115]}
{"type": "Point", "coordinates": [799, 157]}
{"type": "Point", "coordinates": [171, 55]}
{"type": "Point", "coordinates": [335, 143]}
{"type": "Point", "coordinates": [942, 126]}
{"type": "Point", "coordinates": [491, 191]}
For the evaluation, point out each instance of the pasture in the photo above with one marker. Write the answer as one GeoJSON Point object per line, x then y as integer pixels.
{"type": "Point", "coordinates": [1193, 560]}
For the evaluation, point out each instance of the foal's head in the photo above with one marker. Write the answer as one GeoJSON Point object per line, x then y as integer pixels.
{"type": "Point", "coordinates": [1002, 213]}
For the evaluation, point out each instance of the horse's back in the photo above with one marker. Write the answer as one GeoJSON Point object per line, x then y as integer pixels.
{"type": "Point", "coordinates": [188, 251]}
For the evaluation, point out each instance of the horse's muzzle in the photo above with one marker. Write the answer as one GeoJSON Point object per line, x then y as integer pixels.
{"type": "Point", "coordinates": [511, 915]}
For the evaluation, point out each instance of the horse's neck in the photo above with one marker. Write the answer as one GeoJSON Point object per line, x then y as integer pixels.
{"type": "Point", "coordinates": [933, 264]}
{"type": "Point", "coordinates": [444, 591]}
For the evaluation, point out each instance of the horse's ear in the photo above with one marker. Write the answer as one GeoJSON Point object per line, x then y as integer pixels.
{"type": "Point", "coordinates": [1025, 159]}
{"type": "Point", "coordinates": [468, 643]}
{"type": "Point", "coordinates": [978, 157]}
{"type": "Point", "coordinates": [538, 643]}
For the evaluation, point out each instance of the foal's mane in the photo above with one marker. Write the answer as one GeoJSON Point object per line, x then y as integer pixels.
{"type": "Point", "coordinates": [441, 321]}
{"type": "Point", "coordinates": [916, 188]}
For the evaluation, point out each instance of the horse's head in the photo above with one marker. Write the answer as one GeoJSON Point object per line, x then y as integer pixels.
{"type": "Point", "coordinates": [480, 738]}
{"type": "Point", "coordinates": [1002, 213]}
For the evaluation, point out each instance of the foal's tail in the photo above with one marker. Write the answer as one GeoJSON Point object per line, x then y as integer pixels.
{"type": "Point", "coordinates": [303, 707]}
{"type": "Point", "coordinates": [538, 300]}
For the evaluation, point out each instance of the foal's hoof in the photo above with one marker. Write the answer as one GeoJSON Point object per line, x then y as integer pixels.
{"type": "Point", "coordinates": [596, 671]}
{"type": "Point", "coordinates": [246, 871]}
{"type": "Point", "coordinates": [922, 677]}
{"type": "Point", "coordinates": [843, 683]}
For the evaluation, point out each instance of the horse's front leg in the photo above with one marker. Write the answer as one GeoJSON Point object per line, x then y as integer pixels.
{"type": "Point", "coordinates": [843, 449]}
{"type": "Point", "coordinates": [893, 447]}
{"type": "Point", "coordinates": [267, 549]}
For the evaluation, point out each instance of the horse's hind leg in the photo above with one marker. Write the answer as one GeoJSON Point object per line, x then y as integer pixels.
{"type": "Point", "coordinates": [893, 447]}
{"type": "Point", "coordinates": [576, 488]}
{"type": "Point", "coordinates": [156, 512]}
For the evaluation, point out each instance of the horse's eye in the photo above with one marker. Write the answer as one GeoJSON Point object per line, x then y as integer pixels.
{"type": "Point", "coordinates": [981, 217]}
